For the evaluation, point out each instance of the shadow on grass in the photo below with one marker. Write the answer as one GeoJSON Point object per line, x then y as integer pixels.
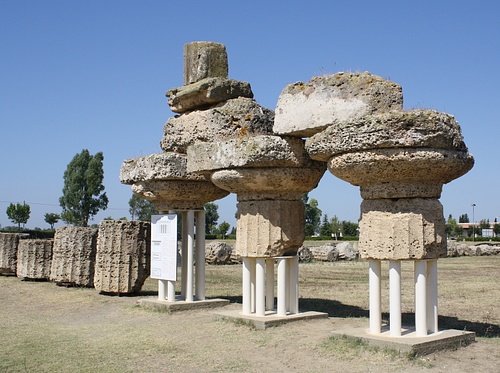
{"type": "Point", "coordinates": [337, 309]}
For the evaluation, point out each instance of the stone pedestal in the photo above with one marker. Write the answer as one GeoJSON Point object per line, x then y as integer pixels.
{"type": "Point", "coordinates": [73, 256]}
{"type": "Point", "coordinates": [34, 258]}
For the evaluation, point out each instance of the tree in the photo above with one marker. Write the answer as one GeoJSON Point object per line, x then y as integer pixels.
{"type": "Point", "coordinates": [326, 227]}
{"type": "Point", "coordinates": [451, 227]}
{"type": "Point", "coordinates": [223, 228]}
{"type": "Point", "coordinates": [19, 214]}
{"type": "Point", "coordinates": [312, 215]}
{"type": "Point", "coordinates": [51, 219]}
{"type": "Point", "coordinates": [83, 191]}
{"type": "Point", "coordinates": [211, 217]}
{"type": "Point", "coordinates": [496, 229]}
{"type": "Point", "coordinates": [141, 208]}
{"type": "Point", "coordinates": [463, 218]}
{"type": "Point", "coordinates": [349, 228]}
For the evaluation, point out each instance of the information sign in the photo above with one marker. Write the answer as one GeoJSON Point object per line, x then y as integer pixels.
{"type": "Point", "coordinates": [164, 247]}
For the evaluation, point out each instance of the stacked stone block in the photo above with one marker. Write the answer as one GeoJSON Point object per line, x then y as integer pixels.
{"type": "Point", "coordinates": [8, 253]}
{"type": "Point", "coordinates": [123, 256]}
{"type": "Point", "coordinates": [73, 256]}
{"type": "Point", "coordinates": [34, 258]}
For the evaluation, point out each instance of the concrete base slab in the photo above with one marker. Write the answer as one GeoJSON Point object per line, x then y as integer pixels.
{"type": "Point", "coordinates": [409, 342]}
{"type": "Point", "coordinates": [182, 305]}
{"type": "Point", "coordinates": [270, 319]}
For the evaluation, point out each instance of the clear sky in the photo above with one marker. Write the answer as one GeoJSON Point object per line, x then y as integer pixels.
{"type": "Point", "coordinates": [92, 75]}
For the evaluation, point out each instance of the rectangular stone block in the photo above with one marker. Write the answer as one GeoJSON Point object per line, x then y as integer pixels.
{"type": "Point", "coordinates": [123, 256]}
{"type": "Point", "coordinates": [73, 256]}
{"type": "Point", "coordinates": [34, 259]}
{"type": "Point", "coordinates": [8, 253]}
{"type": "Point", "coordinates": [403, 229]}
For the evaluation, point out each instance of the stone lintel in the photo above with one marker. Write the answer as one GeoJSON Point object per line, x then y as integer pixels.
{"type": "Point", "coordinates": [206, 92]}
{"type": "Point", "coordinates": [251, 152]}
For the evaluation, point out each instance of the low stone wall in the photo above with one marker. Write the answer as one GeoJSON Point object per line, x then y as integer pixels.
{"type": "Point", "coordinates": [73, 256]}
{"type": "Point", "coordinates": [34, 259]}
{"type": "Point", "coordinates": [8, 253]}
{"type": "Point", "coordinates": [123, 256]}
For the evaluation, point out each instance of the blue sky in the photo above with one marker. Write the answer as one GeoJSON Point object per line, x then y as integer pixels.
{"type": "Point", "coordinates": [92, 75]}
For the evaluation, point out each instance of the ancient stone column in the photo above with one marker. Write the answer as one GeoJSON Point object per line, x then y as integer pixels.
{"type": "Point", "coordinates": [8, 253]}
{"type": "Point", "coordinates": [400, 160]}
{"type": "Point", "coordinates": [212, 107]}
{"type": "Point", "coordinates": [73, 256]}
{"type": "Point", "coordinates": [34, 258]}
{"type": "Point", "coordinates": [123, 256]}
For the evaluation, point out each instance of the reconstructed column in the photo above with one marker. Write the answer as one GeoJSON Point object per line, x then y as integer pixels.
{"type": "Point", "coordinates": [400, 159]}
{"type": "Point", "coordinates": [395, 297]}
{"type": "Point", "coordinates": [374, 273]}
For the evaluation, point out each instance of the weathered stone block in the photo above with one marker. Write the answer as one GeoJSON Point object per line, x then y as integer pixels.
{"type": "Point", "coordinates": [238, 118]}
{"type": "Point", "coordinates": [304, 109]}
{"type": "Point", "coordinates": [8, 253]}
{"type": "Point", "coordinates": [123, 256]}
{"type": "Point", "coordinates": [34, 259]}
{"type": "Point", "coordinates": [402, 229]}
{"type": "Point", "coordinates": [257, 151]}
{"type": "Point", "coordinates": [204, 60]}
{"type": "Point", "coordinates": [206, 92]}
{"type": "Point", "coordinates": [393, 130]}
{"type": "Point", "coordinates": [269, 228]}
{"type": "Point", "coordinates": [73, 256]}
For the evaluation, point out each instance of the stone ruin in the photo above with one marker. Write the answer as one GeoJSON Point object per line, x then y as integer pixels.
{"type": "Point", "coordinates": [122, 262]}
{"type": "Point", "coordinates": [8, 253]}
{"type": "Point", "coordinates": [33, 259]}
{"type": "Point", "coordinates": [355, 126]}
{"type": "Point", "coordinates": [73, 256]}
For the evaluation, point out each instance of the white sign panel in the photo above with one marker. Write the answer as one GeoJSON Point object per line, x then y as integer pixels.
{"type": "Point", "coordinates": [164, 247]}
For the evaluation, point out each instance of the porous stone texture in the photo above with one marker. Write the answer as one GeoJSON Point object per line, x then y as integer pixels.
{"type": "Point", "coordinates": [206, 92]}
{"type": "Point", "coordinates": [8, 253]}
{"type": "Point", "coordinates": [269, 228]}
{"type": "Point", "coordinates": [304, 109]}
{"type": "Point", "coordinates": [238, 118]}
{"type": "Point", "coordinates": [163, 166]}
{"type": "Point", "coordinates": [73, 256]}
{"type": "Point", "coordinates": [34, 259]}
{"type": "Point", "coordinates": [402, 229]}
{"type": "Point", "coordinates": [269, 183]}
{"type": "Point", "coordinates": [204, 59]}
{"type": "Point", "coordinates": [393, 130]}
{"type": "Point", "coordinates": [257, 151]}
{"type": "Point", "coordinates": [123, 256]}
{"type": "Point", "coordinates": [218, 253]}
{"type": "Point", "coordinates": [164, 180]}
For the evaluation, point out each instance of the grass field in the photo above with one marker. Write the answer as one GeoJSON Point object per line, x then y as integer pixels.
{"type": "Point", "coordinates": [46, 328]}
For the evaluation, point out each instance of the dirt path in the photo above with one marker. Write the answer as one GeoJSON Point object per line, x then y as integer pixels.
{"type": "Point", "coordinates": [46, 328]}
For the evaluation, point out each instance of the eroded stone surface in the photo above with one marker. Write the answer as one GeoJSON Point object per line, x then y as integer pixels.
{"type": "Point", "coordinates": [163, 166]}
{"type": "Point", "coordinates": [123, 256]}
{"type": "Point", "coordinates": [73, 256]}
{"type": "Point", "coordinates": [394, 173]}
{"type": "Point", "coordinates": [257, 151]}
{"type": "Point", "coordinates": [402, 229]}
{"type": "Point", "coordinates": [208, 91]}
{"type": "Point", "coordinates": [8, 253]}
{"type": "Point", "coordinates": [284, 183]}
{"type": "Point", "coordinates": [304, 109]}
{"type": "Point", "coordinates": [234, 119]}
{"type": "Point", "coordinates": [269, 228]}
{"type": "Point", "coordinates": [178, 194]}
{"type": "Point", "coordinates": [204, 59]}
{"type": "Point", "coordinates": [34, 259]}
{"type": "Point", "coordinates": [398, 129]}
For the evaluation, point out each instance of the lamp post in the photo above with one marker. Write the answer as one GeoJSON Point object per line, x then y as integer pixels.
{"type": "Point", "coordinates": [473, 227]}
